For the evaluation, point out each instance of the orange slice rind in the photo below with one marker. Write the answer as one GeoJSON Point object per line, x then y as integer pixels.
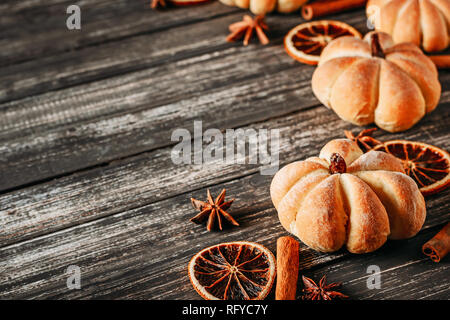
{"type": "Point", "coordinates": [428, 165]}
{"type": "Point", "coordinates": [306, 41]}
{"type": "Point", "coordinates": [238, 270]}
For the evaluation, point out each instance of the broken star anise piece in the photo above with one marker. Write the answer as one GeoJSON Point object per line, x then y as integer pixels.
{"type": "Point", "coordinates": [363, 139]}
{"type": "Point", "coordinates": [245, 28]}
{"type": "Point", "coordinates": [158, 3]}
{"type": "Point", "coordinates": [213, 210]}
{"type": "Point", "coordinates": [322, 291]}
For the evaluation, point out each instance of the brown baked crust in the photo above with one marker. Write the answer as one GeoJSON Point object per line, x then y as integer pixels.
{"type": "Point", "coordinates": [321, 217]}
{"type": "Point", "coordinates": [360, 208]}
{"type": "Point", "coordinates": [291, 184]}
{"type": "Point", "coordinates": [400, 102]}
{"type": "Point", "coordinates": [368, 223]}
{"type": "Point", "coordinates": [422, 22]}
{"type": "Point", "coordinates": [346, 148]}
{"type": "Point", "coordinates": [286, 6]}
{"type": "Point", "coordinates": [419, 68]}
{"type": "Point", "coordinates": [261, 7]}
{"type": "Point", "coordinates": [375, 160]}
{"type": "Point", "coordinates": [395, 92]}
{"type": "Point", "coordinates": [325, 77]}
{"type": "Point", "coordinates": [402, 199]}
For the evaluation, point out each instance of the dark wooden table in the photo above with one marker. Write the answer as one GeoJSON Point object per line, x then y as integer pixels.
{"type": "Point", "coordinates": [86, 177]}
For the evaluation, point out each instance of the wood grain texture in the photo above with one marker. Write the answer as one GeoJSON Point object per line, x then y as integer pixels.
{"type": "Point", "coordinates": [100, 123]}
{"type": "Point", "coordinates": [85, 147]}
{"type": "Point", "coordinates": [152, 176]}
{"type": "Point", "coordinates": [406, 273]}
{"type": "Point", "coordinates": [143, 253]}
{"type": "Point", "coordinates": [33, 29]}
{"type": "Point", "coordinates": [130, 54]}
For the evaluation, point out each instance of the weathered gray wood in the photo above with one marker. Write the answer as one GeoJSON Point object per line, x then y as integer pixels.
{"type": "Point", "coordinates": [93, 124]}
{"type": "Point", "coordinates": [98, 123]}
{"type": "Point", "coordinates": [121, 93]}
{"type": "Point", "coordinates": [131, 54]}
{"type": "Point", "coordinates": [152, 176]}
{"type": "Point", "coordinates": [33, 29]}
{"type": "Point", "coordinates": [406, 273]}
{"type": "Point", "coordinates": [143, 253]}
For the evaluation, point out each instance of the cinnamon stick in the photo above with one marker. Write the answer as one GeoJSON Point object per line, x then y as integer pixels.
{"type": "Point", "coordinates": [287, 268]}
{"type": "Point", "coordinates": [442, 61]}
{"type": "Point", "coordinates": [323, 8]}
{"type": "Point", "coordinates": [439, 245]}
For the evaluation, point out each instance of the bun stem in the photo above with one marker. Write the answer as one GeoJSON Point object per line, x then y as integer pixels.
{"type": "Point", "coordinates": [377, 51]}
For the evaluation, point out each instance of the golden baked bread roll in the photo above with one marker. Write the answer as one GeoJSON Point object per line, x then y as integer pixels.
{"type": "Point", "coordinates": [261, 7]}
{"type": "Point", "coordinates": [425, 23]}
{"type": "Point", "coordinates": [373, 80]}
{"type": "Point", "coordinates": [345, 197]}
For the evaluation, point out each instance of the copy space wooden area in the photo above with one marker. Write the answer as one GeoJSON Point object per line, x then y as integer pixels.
{"type": "Point", "coordinates": [86, 179]}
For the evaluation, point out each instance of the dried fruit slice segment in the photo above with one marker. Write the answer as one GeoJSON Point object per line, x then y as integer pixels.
{"type": "Point", "coordinates": [428, 165]}
{"type": "Point", "coordinates": [233, 271]}
{"type": "Point", "coordinates": [306, 41]}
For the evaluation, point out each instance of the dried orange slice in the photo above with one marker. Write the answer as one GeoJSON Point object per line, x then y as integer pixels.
{"type": "Point", "coordinates": [306, 41]}
{"type": "Point", "coordinates": [428, 165]}
{"type": "Point", "coordinates": [233, 271]}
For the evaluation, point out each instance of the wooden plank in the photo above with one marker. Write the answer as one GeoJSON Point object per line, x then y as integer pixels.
{"type": "Point", "coordinates": [102, 121]}
{"type": "Point", "coordinates": [151, 177]}
{"type": "Point", "coordinates": [30, 29]}
{"type": "Point", "coordinates": [54, 134]}
{"type": "Point", "coordinates": [131, 54]}
{"type": "Point", "coordinates": [143, 253]}
{"type": "Point", "coordinates": [406, 273]}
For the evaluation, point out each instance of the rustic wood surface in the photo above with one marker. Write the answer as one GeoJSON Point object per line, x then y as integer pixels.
{"type": "Point", "coordinates": [86, 179]}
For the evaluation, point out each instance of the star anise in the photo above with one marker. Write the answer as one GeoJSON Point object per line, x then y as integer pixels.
{"type": "Point", "coordinates": [213, 210]}
{"type": "Point", "coordinates": [363, 139]}
{"type": "Point", "coordinates": [245, 28]}
{"type": "Point", "coordinates": [322, 291]}
{"type": "Point", "coordinates": [158, 3]}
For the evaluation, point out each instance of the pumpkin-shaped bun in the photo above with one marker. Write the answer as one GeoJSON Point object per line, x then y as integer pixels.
{"type": "Point", "coordinates": [373, 80]}
{"type": "Point", "coordinates": [345, 197]}
{"type": "Point", "coordinates": [425, 23]}
{"type": "Point", "coordinates": [265, 6]}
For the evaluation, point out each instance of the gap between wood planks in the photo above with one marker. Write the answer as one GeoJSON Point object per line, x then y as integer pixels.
{"type": "Point", "coordinates": [52, 168]}
{"type": "Point", "coordinates": [102, 22]}
{"type": "Point", "coordinates": [125, 158]}
{"type": "Point", "coordinates": [94, 194]}
{"type": "Point", "coordinates": [406, 273]}
{"type": "Point", "coordinates": [133, 127]}
{"type": "Point", "coordinates": [133, 54]}
{"type": "Point", "coordinates": [53, 132]}
{"type": "Point", "coordinates": [114, 266]}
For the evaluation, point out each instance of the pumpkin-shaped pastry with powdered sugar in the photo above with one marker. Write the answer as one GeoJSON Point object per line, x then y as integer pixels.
{"type": "Point", "coordinates": [345, 197]}
{"type": "Point", "coordinates": [375, 80]}
{"type": "Point", "coordinates": [265, 6]}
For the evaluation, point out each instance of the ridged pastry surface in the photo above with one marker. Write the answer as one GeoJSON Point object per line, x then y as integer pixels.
{"type": "Point", "coordinates": [393, 92]}
{"type": "Point", "coordinates": [425, 23]}
{"type": "Point", "coordinates": [361, 208]}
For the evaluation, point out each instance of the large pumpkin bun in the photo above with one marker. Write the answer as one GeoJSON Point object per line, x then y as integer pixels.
{"type": "Point", "coordinates": [394, 86]}
{"type": "Point", "coordinates": [355, 199]}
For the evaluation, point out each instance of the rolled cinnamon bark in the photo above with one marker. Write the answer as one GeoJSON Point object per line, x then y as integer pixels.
{"type": "Point", "coordinates": [287, 268]}
{"type": "Point", "coordinates": [439, 245]}
{"type": "Point", "coordinates": [323, 8]}
{"type": "Point", "coordinates": [442, 61]}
